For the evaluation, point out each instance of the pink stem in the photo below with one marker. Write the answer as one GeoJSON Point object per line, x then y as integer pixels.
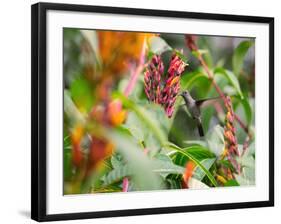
{"type": "Point", "coordinates": [125, 185]}
{"type": "Point", "coordinates": [136, 71]}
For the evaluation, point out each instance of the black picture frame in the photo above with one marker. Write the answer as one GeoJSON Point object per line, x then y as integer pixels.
{"type": "Point", "coordinates": [38, 108]}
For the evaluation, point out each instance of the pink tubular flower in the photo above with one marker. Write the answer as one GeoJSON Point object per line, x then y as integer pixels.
{"type": "Point", "coordinates": [152, 79]}
{"type": "Point", "coordinates": [166, 95]}
{"type": "Point", "coordinates": [172, 84]}
{"type": "Point", "coordinates": [176, 67]}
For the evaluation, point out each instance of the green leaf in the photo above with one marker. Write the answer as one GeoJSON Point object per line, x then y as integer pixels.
{"type": "Point", "coordinates": [157, 45]}
{"type": "Point", "coordinates": [116, 161]}
{"type": "Point", "coordinates": [247, 177]}
{"type": "Point", "coordinates": [117, 175]}
{"type": "Point", "coordinates": [247, 109]}
{"type": "Point", "coordinates": [239, 55]}
{"type": "Point", "coordinates": [231, 183]}
{"type": "Point", "coordinates": [82, 95]}
{"type": "Point", "coordinates": [142, 132]}
{"type": "Point", "coordinates": [145, 117]}
{"type": "Point", "coordinates": [135, 126]}
{"type": "Point", "coordinates": [71, 111]}
{"type": "Point", "coordinates": [188, 80]}
{"type": "Point", "coordinates": [189, 155]}
{"type": "Point", "coordinates": [174, 184]}
{"type": "Point", "coordinates": [198, 151]}
{"type": "Point", "coordinates": [140, 167]}
{"type": "Point", "coordinates": [163, 165]}
{"type": "Point", "coordinates": [215, 140]}
{"type": "Point", "coordinates": [207, 115]}
{"type": "Point", "coordinates": [198, 173]}
{"type": "Point", "coordinates": [231, 78]}
{"type": "Point", "coordinates": [196, 142]}
{"type": "Point", "coordinates": [246, 161]}
{"type": "Point", "coordinates": [67, 163]}
{"type": "Point", "coordinates": [251, 150]}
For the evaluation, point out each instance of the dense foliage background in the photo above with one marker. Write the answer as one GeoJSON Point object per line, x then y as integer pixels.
{"type": "Point", "coordinates": [126, 127]}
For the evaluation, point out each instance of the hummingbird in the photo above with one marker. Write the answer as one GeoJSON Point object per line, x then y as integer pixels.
{"type": "Point", "coordinates": [193, 106]}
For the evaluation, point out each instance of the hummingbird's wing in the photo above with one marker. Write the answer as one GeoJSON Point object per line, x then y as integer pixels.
{"type": "Point", "coordinates": [200, 102]}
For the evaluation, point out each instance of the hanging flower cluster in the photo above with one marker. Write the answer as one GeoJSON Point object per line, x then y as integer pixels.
{"type": "Point", "coordinates": [231, 146]}
{"type": "Point", "coordinates": [172, 84]}
{"type": "Point", "coordinates": [163, 90]}
{"type": "Point", "coordinates": [152, 79]}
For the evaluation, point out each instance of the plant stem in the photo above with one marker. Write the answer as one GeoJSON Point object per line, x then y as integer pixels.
{"type": "Point", "coordinates": [135, 71]}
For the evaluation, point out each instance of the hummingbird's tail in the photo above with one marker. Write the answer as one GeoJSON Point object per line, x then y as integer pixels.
{"type": "Point", "coordinates": [200, 127]}
{"type": "Point", "coordinates": [200, 130]}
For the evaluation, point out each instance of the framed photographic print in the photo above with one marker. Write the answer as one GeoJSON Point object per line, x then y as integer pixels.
{"type": "Point", "coordinates": [139, 111]}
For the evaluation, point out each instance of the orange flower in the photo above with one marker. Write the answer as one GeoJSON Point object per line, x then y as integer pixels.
{"type": "Point", "coordinates": [173, 81]}
{"type": "Point", "coordinates": [189, 169]}
{"type": "Point", "coordinates": [117, 49]}
{"type": "Point", "coordinates": [110, 114]}
{"type": "Point", "coordinates": [100, 149]}
{"type": "Point", "coordinates": [116, 115]}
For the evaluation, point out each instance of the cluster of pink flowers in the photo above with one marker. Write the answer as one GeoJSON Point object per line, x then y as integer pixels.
{"type": "Point", "coordinates": [229, 129]}
{"type": "Point", "coordinates": [162, 89]}
{"type": "Point", "coordinates": [231, 145]}
{"type": "Point", "coordinates": [152, 79]}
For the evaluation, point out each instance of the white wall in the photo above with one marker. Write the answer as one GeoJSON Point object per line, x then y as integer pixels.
{"type": "Point", "coordinates": [15, 109]}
